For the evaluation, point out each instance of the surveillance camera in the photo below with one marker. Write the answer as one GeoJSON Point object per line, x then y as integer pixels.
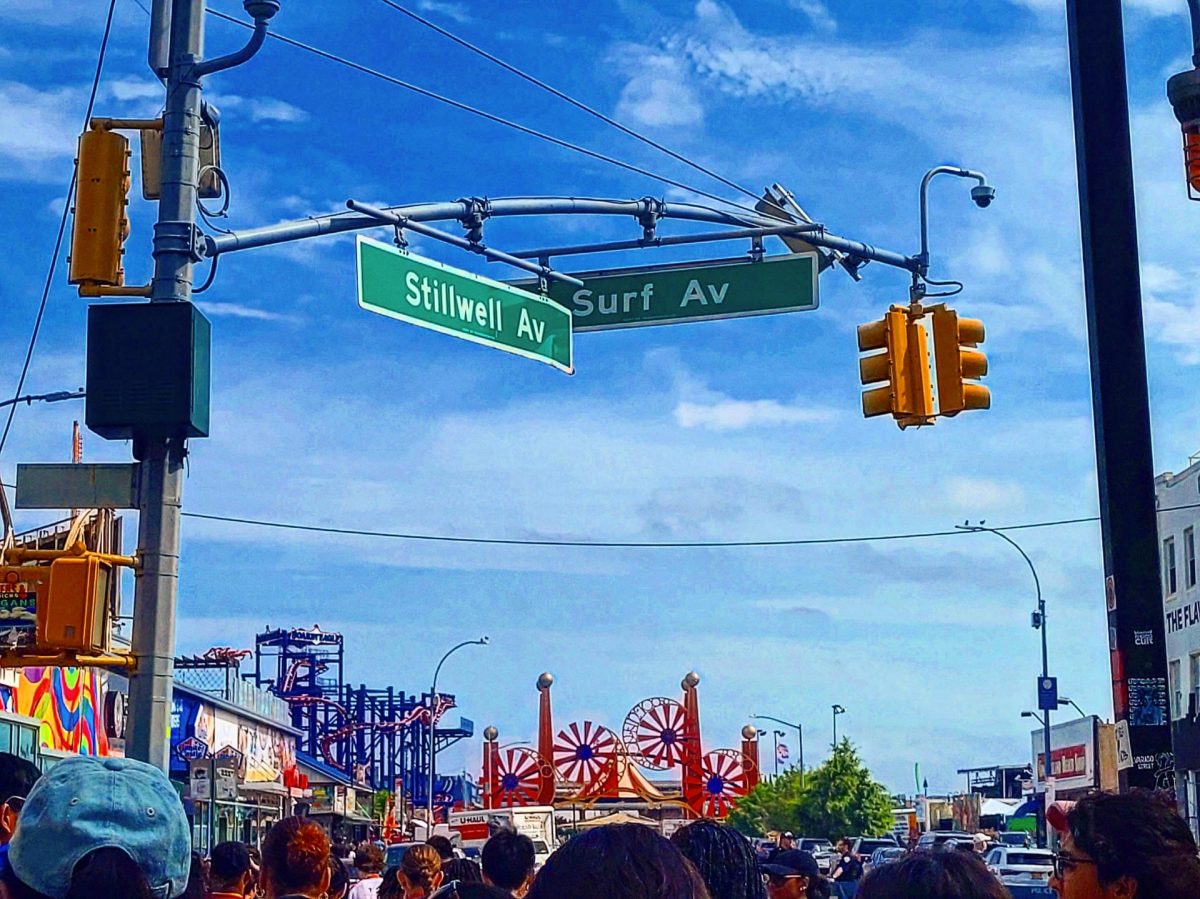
{"type": "Point", "coordinates": [983, 195]}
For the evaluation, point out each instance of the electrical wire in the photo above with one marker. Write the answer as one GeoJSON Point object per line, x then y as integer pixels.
{"type": "Point", "coordinates": [562, 95]}
{"type": "Point", "coordinates": [62, 229]}
{"type": "Point", "coordinates": [492, 117]}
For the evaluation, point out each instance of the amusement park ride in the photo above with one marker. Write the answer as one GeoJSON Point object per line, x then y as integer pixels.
{"type": "Point", "coordinates": [587, 763]}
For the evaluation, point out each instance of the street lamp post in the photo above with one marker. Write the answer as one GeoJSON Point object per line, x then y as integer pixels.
{"type": "Point", "coordinates": [1039, 622]}
{"type": "Point", "coordinates": [482, 641]}
{"type": "Point", "coordinates": [1034, 715]}
{"type": "Point", "coordinates": [837, 710]}
{"type": "Point", "coordinates": [1063, 700]}
{"type": "Point", "coordinates": [799, 738]}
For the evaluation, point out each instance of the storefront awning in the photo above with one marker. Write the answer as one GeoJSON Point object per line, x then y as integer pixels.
{"type": "Point", "coordinates": [270, 787]}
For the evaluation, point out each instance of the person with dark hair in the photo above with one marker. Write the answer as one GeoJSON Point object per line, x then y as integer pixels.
{"type": "Point", "coordinates": [848, 868]}
{"type": "Point", "coordinates": [390, 887]}
{"type": "Point", "coordinates": [295, 860]}
{"type": "Point", "coordinates": [370, 862]}
{"type": "Point", "coordinates": [17, 777]}
{"type": "Point", "coordinates": [339, 878]}
{"type": "Point", "coordinates": [472, 890]}
{"type": "Point", "coordinates": [229, 874]}
{"type": "Point", "coordinates": [1126, 846]}
{"type": "Point", "coordinates": [442, 844]}
{"type": "Point", "coordinates": [508, 860]}
{"type": "Point", "coordinates": [420, 872]}
{"type": "Point", "coordinates": [630, 861]}
{"type": "Point", "coordinates": [933, 875]}
{"type": "Point", "coordinates": [99, 828]}
{"type": "Point", "coordinates": [795, 874]}
{"type": "Point", "coordinates": [725, 859]}
{"type": "Point", "coordinates": [197, 885]}
{"type": "Point", "coordinates": [464, 870]}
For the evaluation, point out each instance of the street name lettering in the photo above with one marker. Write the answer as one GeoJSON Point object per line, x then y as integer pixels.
{"type": "Point", "coordinates": [663, 295]}
{"type": "Point", "coordinates": [432, 295]}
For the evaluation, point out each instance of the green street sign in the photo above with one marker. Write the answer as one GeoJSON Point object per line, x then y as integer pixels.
{"type": "Point", "coordinates": [689, 292]}
{"type": "Point", "coordinates": [435, 296]}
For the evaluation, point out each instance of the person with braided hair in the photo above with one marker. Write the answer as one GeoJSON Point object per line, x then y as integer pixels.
{"type": "Point", "coordinates": [420, 872]}
{"type": "Point", "coordinates": [725, 859]}
{"type": "Point", "coordinates": [295, 861]}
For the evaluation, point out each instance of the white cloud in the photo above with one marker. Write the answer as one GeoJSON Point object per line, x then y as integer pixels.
{"type": "Point", "coordinates": [984, 495]}
{"type": "Point", "coordinates": [262, 109]}
{"type": "Point", "coordinates": [657, 97]}
{"type": "Point", "coordinates": [1171, 304]}
{"type": "Point", "coordinates": [456, 11]}
{"type": "Point", "coordinates": [38, 126]}
{"type": "Point", "coordinates": [818, 13]}
{"type": "Point", "coordinates": [737, 415]}
{"type": "Point", "coordinates": [238, 310]}
{"type": "Point", "coordinates": [125, 89]}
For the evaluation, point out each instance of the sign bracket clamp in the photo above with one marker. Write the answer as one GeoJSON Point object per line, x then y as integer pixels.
{"type": "Point", "coordinates": [463, 243]}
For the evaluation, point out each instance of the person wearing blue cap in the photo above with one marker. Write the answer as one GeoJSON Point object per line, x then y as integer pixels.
{"type": "Point", "coordinates": [98, 828]}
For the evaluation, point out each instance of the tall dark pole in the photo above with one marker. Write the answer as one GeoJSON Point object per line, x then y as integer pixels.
{"type": "Point", "coordinates": [1120, 401]}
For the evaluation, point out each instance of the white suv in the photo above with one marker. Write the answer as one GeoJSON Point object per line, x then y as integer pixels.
{"type": "Point", "coordinates": [1017, 863]}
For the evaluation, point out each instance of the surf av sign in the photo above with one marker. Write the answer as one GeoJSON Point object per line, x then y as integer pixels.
{"type": "Point", "coordinates": [664, 295]}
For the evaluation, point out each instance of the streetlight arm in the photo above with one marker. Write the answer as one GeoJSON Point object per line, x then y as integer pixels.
{"type": "Point", "coordinates": [777, 721]}
{"type": "Point", "coordinates": [923, 256]}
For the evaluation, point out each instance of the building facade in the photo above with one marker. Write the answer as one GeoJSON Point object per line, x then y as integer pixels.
{"type": "Point", "coordinates": [1178, 497]}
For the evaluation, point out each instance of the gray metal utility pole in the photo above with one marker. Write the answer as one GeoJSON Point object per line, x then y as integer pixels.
{"type": "Point", "coordinates": [161, 457]}
{"type": "Point", "coordinates": [1120, 397]}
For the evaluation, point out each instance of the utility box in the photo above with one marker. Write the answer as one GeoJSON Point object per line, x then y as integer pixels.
{"type": "Point", "coordinates": [148, 370]}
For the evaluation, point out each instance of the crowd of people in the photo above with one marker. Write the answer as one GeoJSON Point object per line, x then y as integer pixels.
{"type": "Point", "coordinates": [104, 828]}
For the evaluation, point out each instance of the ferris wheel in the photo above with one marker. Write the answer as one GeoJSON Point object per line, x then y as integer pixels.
{"type": "Point", "coordinates": [518, 776]}
{"type": "Point", "coordinates": [723, 779]}
{"type": "Point", "coordinates": [657, 732]}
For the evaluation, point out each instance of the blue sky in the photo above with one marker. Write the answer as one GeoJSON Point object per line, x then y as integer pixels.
{"type": "Point", "coordinates": [746, 429]}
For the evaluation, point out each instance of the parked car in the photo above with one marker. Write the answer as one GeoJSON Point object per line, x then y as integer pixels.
{"type": "Point", "coordinates": [935, 840]}
{"type": "Point", "coordinates": [762, 847]}
{"type": "Point", "coordinates": [1022, 865]}
{"type": "Point", "coordinates": [882, 856]}
{"type": "Point", "coordinates": [822, 851]}
{"type": "Point", "coordinates": [864, 846]}
{"type": "Point", "coordinates": [395, 852]}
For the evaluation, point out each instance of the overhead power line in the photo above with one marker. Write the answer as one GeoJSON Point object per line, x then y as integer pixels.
{"type": "Point", "coordinates": [562, 95]}
{"type": "Point", "coordinates": [491, 117]}
{"type": "Point", "coordinates": [62, 229]}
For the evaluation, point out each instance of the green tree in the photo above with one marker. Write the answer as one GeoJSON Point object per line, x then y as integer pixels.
{"type": "Point", "coordinates": [842, 799]}
{"type": "Point", "coordinates": [837, 798]}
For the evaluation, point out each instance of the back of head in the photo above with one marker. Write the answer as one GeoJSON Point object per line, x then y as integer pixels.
{"type": "Point", "coordinates": [464, 870]}
{"type": "Point", "coordinates": [480, 890]}
{"type": "Point", "coordinates": [1137, 835]}
{"type": "Point", "coordinates": [933, 875]}
{"type": "Point", "coordinates": [442, 844]}
{"type": "Point", "coordinates": [370, 859]}
{"type": "Point", "coordinates": [339, 878]}
{"type": "Point", "coordinates": [84, 806]}
{"type": "Point", "coordinates": [17, 776]}
{"type": "Point", "coordinates": [627, 860]}
{"type": "Point", "coordinates": [723, 857]}
{"type": "Point", "coordinates": [421, 865]}
{"type": "Point", "coordinates": [389, 887]}
{"type": "Point", "coordinates": [295, 856]}
{"type": "Point", "coordinates": [228, 864]}
{"type": "Point", "coordinates": [507, 859]}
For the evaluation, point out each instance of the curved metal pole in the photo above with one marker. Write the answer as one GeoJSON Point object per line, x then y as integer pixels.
{"type": "Point", "coordinates": [1041, 604]}
{"type": "Point", "coordinates": [482, 641]}
{"type": "Point", "coordinates": [229, 60]}
{"type": "Point", "coordinates": [799, 728]}
{"type": "Point", "coordinates": [923, 255]}
{"type": "Point", "coordinates": [342, 222]}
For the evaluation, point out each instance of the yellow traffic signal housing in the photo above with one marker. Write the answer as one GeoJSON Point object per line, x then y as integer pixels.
{"type": "Point", "coordinates": [64, 605]}
{"type": "Point", "coordinates": [957, 361]}
{"type": "Point", "coordinates": [101, 195]}
{"type": "Point", "coordinates": [904, 364]}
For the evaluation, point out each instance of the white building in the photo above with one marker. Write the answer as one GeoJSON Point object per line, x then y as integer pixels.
{"type": "Point", "coordinates": [1178, 497]}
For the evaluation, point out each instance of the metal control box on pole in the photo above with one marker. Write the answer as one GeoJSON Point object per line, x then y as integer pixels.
{"type": "Point", "coordinates": [1120, 400]}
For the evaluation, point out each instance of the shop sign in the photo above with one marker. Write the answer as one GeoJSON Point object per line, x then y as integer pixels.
{"type": "Point", "coordinates": [322, 799]}
{"type": "Point", "coordinates": [225, 781]}
{"type": "Point", "coordinates": [200, 781]}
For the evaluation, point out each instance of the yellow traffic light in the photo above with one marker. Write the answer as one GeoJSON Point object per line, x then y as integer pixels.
{"type": "Point", "coordinates": [101, 195]}
{"type": "Point", "coordinates": [957, 361]}
{"type": "Point", "coordinates": [903, 364]}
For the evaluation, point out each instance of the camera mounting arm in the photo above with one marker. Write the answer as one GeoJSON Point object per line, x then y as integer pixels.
{"type": "Point", "coordinates": [983, 194]}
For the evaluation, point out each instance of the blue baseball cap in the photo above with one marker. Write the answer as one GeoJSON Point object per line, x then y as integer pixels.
{"type": "Point", "coordinates": [86, 803]}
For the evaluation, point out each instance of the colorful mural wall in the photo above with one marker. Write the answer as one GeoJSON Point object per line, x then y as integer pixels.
{"type": "Point", "coordinates": [68, 703]}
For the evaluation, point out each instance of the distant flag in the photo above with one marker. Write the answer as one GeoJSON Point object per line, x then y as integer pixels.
{"type": "Point", "coordinates": [781, 752]}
